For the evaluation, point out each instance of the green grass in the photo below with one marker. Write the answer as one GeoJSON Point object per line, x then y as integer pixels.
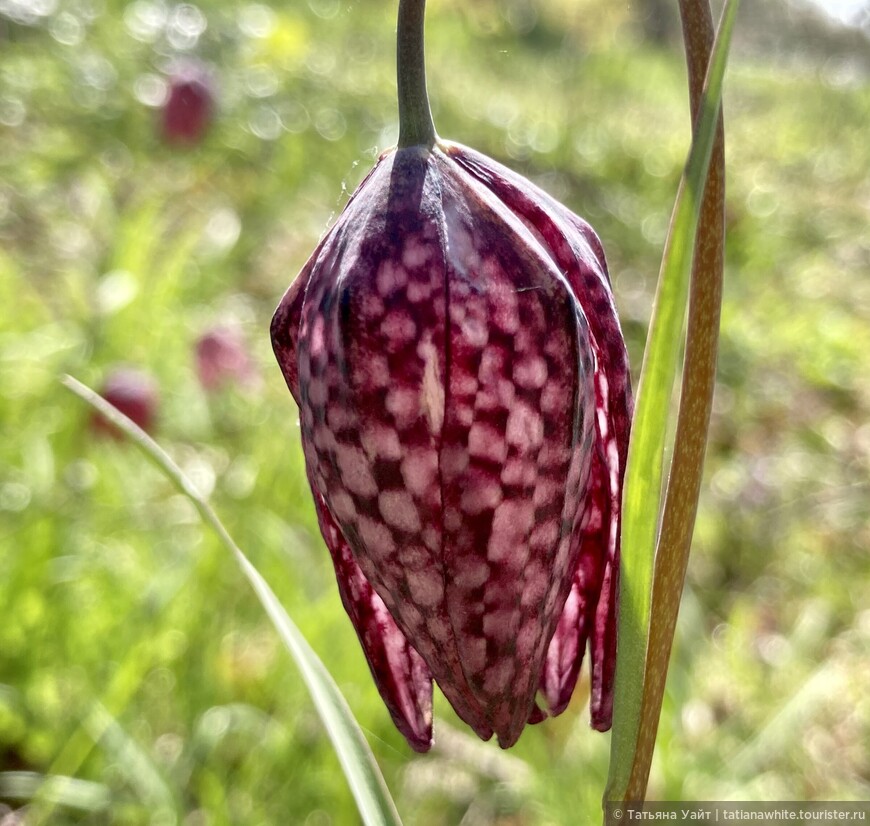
{"type": "Point", "coordinates": [123, 616]}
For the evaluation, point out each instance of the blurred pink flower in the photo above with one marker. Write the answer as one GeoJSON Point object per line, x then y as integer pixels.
{"type": "Point", "coordinates": [132, 391]}
{"type": "Point", "coordinates": [222, 358]}
{"type": "Point", "coordinates": [189, 107]}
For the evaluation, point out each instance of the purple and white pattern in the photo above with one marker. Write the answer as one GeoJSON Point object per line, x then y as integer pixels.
{"type": "Point", "coordinates": [463, 389]}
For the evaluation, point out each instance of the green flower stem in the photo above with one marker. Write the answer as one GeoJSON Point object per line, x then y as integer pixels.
{"type": "Point", "coordinates": [415, 118]}
{"type": "Point", "coordinates": [699, 374]}
{"type": "Point", "coordinates": [655, 552]}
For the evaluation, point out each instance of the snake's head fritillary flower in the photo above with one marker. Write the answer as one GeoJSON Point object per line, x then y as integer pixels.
{"type": "Point", "coordinates": [464, 395]}
{"type": "Point", "coordinates": [222, 358]}
{"type": "Point", "coordinates": [189, 107]}
{"type": "Point", "coordinates": [463, 388]}
{"type": "Point", "coordinates": [132, 391]}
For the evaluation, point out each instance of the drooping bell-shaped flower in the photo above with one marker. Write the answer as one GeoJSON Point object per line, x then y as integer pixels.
{"type": "Point", "coordinates": [189, 107]}
{"type": "Point", "coordinates": [222, 358]}
{"type": "Point", "coordinates": [462, 382]}
{"type": "Point", "coordinates": [132, 391]}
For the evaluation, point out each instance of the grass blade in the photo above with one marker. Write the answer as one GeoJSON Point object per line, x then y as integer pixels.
{"type": "Point", "coordinates": [133, 762]}
{"type": "Point", "coordinates": [699, 379]}
{"type": "Point", "coordinates": [360, 767]}
{"type": "Point", "coordinates": [59, 790]}
{"type": "Point", "coordinates": [645, 470]}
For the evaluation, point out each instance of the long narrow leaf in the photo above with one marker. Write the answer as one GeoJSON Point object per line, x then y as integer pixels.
{"type": "Point", "coordinates": [62, 791]}
{"type": "Point", "coordinates": [360, 767]}
{"type": "Point", "coordinates": [699, 379]}
{"type": "Point", "coordinates": [645, 470]}
{"type": "Point", "coordinates": [134, 763]}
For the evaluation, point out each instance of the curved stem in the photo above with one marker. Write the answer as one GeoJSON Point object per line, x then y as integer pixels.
{"type": "Point", "coordinates": [415, 118]}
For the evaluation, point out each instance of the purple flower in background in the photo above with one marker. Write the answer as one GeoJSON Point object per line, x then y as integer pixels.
{"type": "Point", "coordinates": [463, 388]}
{"type": "Point", "coordinates": [222, 358]}
{"type": "Point", "coordinates": [133, 392]}
{"type": "Point", "coordinates": [189, 106]}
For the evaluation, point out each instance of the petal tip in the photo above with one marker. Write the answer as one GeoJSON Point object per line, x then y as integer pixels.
{"type": "Point", "coordinates": [420, 744]}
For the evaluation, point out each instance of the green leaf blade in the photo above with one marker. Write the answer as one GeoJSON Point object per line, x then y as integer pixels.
{"type": "Point", "coordinates": [364, 777]}
{"type": "Point", "coordinates": [645, 469]}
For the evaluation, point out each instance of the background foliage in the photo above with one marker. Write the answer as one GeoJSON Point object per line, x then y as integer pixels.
{"type": "Point", "coordinates": [133, 658]}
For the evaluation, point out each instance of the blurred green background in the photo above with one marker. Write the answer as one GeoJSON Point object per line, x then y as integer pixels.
{"type": "Point", "coordinates": [134, 658]}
